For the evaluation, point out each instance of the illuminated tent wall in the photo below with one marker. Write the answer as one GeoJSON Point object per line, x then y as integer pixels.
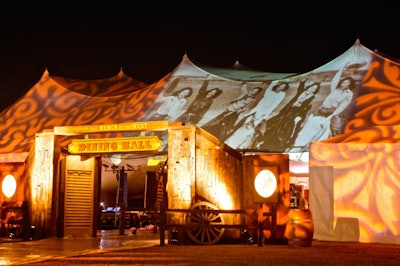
{"type": "Point", "coordinates": [265, 121]}
{"type": "Point", "coordinates": [355, 176]}
{"type": "Point", "coordinates": [58, 101]}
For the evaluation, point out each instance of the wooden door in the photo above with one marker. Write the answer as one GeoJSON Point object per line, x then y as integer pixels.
{"type": "Point", "coordinates": [79, 203]}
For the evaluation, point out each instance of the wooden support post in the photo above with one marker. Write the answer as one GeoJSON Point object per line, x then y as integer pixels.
{"type": "Point", "coordinates": [163, 221]}
{"type": "Point", "coordinates": [273, 221]}
{"type": "Point", "coordinates": [260, 225]}
{"type": "Point", "coordinates": [25, 221]}
{"type": "Point", "coordinates": [122, 219]}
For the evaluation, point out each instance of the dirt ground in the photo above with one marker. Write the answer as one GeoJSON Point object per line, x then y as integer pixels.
{"type": "Point", "coordinates": [319, 253]}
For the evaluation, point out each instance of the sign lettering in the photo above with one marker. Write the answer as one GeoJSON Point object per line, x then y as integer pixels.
{"type": "Point", "coordinates": [105, 145]}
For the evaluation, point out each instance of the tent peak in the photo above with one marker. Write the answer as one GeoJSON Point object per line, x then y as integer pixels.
{"type": "Point", "coordinates": [121, 72]}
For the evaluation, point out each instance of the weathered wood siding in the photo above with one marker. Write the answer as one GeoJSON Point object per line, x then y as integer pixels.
{"type": "Point", "coordinates": [202, 168]}
{"type": "Point", "coordinates": [280, 200]}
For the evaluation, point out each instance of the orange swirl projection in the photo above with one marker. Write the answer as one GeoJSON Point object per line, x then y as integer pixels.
{"type": "Point", "coordinates": [380, 99]}
{"type": "Point", "coordinates": [116, 85]}
{"type": "Point", "coordinates": [360, 170]}
{"type": "Point", "coordinates": [261, 114]}
{"type": "Point", "coordinates": [365, 186]}
{"type": "Point", "coordinates": [48, 104]}
{"type": "Point", "coordinates": [377, 106]}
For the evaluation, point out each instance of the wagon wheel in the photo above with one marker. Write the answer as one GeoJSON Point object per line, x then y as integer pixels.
{"type": "Point", "coordinates": [201, 228]}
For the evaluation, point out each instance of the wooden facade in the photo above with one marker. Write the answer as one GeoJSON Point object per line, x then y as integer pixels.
{"type": "Point", "coordinates": [204, 174]}
{"type": "Point", "coordinates": [202, 169]}
{"type": "Point", "coordinates": [271, 213]}
{"type": "Point", "coordinates": [206, 179]}
{"type": "Point", "coordinates": [206, 166]}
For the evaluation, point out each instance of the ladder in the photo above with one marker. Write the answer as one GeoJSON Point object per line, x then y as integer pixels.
{"type": "Point", "coordinates": [161, 184]}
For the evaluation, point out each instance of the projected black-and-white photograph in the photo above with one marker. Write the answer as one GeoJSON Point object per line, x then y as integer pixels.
{"type": "Point", "coordinates": [281, 115]}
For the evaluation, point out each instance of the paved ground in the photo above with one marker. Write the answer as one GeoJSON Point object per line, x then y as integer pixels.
{"type": "Point", "coordinates": [144, 249]}
{"type": "Point", "coordinates": [320, 253]}
{"type": "Point", "coordinates": [26, 252]}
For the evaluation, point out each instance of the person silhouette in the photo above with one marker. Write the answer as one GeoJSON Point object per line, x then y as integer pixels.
{"type": "Point", "coordinates": [200, 105]}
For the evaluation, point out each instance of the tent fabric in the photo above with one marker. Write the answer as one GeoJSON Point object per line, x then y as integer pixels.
{"type": "Point", "coordinates": [378, 103]}
{"type": "Point", "coordinates": [370, 134]}
{"type": "Point", "coordinates": [354, 180]}
{"type": "Point", "coordinates": [354, 177]}
{"type": "Point", "coordinates": [243, 73]}
{"type": "Point", "coordinates": [234, 115]}
{"type": "Point", "coordinates": [358, 183]}
{"type": "Point", "coordinates": [264, 121]}
{"type": "Point", "coordinates": [49, 104]}
{"type": "Point", "coordinates": [113, 86]}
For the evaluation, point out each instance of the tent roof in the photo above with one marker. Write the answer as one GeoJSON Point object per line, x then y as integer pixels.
{"type": "Point", "coordinates": [238, 80]}
{"type": "Point", "coordinates": [57, 101]}
{"type": "Point", "coordinates": [112, 86]}
{"type": "Point", "coordinates": [60, 101]}
{"type": "Point", "coordinates": [243, 73]}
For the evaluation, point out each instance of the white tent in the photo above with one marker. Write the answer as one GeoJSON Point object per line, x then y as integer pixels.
{"type": "Point", "coordinates": [354, 177]}
{"type": "Point", "coordinates": [249, 113]}
{"type": "Point", "coordinates": [360, 163]}
{"type": "Point", "coordinates": [242, 120]}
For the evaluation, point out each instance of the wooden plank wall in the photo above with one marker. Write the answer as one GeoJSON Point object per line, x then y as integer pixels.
{"type": "Point", "coordinates": [201, 168]}
{"type": "Point", "coordinates": [41, 185]}
{"type": "Point", "coordinates": [280, 200]}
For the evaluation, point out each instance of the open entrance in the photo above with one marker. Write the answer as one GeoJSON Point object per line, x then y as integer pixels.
{"type": "Point", "coordinates": [132, 181]}
{"type": "Point", "coordinates": [114, 175]}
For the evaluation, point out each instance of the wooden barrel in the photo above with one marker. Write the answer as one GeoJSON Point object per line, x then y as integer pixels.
{"type": "Point", "coordinates": [299, 228]}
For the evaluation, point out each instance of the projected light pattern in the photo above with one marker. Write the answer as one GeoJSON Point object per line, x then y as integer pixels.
{"type": "Point", "coordinates": [116, 99]}
{"type": "Point", "coordinates": [356, 175]}
{"type": "Point", "coordinates": [275, 116]}
{"type": "Point", "coordinates": [281, 115]}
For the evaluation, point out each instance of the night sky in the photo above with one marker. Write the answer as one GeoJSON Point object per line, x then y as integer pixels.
{"type": "Point", "coordinates": [94, 39]}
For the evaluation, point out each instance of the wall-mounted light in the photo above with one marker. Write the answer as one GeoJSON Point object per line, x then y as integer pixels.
{"type": "Point", "coordinates": [265, 183]}
{"type": "Point", "coordinates": [9, 186]}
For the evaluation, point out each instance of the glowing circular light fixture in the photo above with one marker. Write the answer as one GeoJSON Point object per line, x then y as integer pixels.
{"type": "Point", "coordinates": [265, 183]}
{"type": "Point", "coordinates": [9, 186]}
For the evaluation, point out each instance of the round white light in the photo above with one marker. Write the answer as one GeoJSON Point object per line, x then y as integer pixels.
{"type": "Point", "coordinates": [265, 183]}
{"type": "Point", "coordinates": [9, 186]}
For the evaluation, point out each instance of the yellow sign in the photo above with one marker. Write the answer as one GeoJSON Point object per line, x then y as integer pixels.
{"type": "Point", "coordinates": [108, 145]}
{"type": "Point", "coordinates": [121, 127]}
